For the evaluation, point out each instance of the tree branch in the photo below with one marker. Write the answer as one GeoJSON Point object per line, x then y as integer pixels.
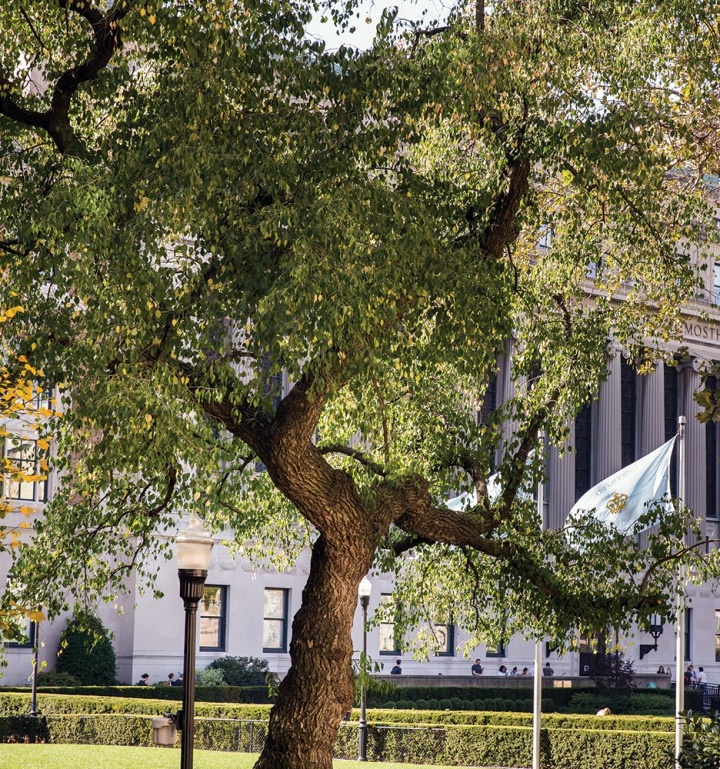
{"type": "Point", "coordinates": [359, 456]}
{"type": "Point", "coordinates": [56, 120]}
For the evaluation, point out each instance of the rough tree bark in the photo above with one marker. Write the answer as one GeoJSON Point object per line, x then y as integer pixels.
{"type": "Point", "coordinates": [318, 689]}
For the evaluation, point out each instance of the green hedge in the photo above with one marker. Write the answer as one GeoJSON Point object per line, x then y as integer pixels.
{"type": "Point", "coordinates": [512, 746]}
{"type": "Point", "coordinates": [551, 720]}
{"type": "Point", "coordinates": [450, 744]}
{"type": "Point", "coordinates": [414, 693]}
{"type": "Point", "coordinates": [241, 694]}
{"type": "Point", "coordinates": [56, 704]}
{"type": "Point", "coordinates": [49, 704]}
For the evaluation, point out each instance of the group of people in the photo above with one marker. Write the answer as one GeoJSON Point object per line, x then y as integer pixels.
{"type": "Point", "coordinates": [693, 676]}
{"type": "Point", "coordinates": [171, 680]}
{"type": "Point", "coordinates": [477, 670]}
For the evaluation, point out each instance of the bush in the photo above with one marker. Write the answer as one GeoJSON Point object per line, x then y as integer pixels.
{"type": "Point", "coordinates": [613, 671]}
{"type": "Point", "coordinates": [56, 678]}
{"type": "Point", "coordinates": [241, 671]}
{"type": "Point", "coordinates": [521, 695]}
{"type": "Point", "coordinates": [86, 652]}
{"type": "Point", "coordinates": [248, 694]}
{"type": "Point", "coordinates": [209, 677]}
{"type": "Point", "coordinates": [701, 742]}
{"type": "Point", "coordinates": [450, 744]}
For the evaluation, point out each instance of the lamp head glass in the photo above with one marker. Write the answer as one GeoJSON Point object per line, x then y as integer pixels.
{"type": "Point", "coordinates": [194, 546]}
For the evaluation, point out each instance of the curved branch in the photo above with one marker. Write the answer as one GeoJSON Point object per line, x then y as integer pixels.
{"type": "Point", "coordinates": [672, 557]}
{"type": "Point", "coordinates": [359, 456]}
{"type": "Point", "coordinates": [56, 120]}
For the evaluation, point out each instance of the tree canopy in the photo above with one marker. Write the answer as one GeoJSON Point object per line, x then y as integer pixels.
{"type": "Point", "coordinates": [203, 205]}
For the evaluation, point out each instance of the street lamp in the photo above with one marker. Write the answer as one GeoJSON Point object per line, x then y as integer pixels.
{"type": "Point", "coordinates": [194, 546]}
{"type": "Point", "coordinates": [364, 590]}
{"type": "Point", "coordinates": [35, 669]}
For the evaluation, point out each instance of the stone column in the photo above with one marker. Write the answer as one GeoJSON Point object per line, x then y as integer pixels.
{"type": "Point", "coordinates": [561, 481]}
{"type": "Point", "coordinates": [695, 475]}
{"type": "Point", "coordinates": [650, 424]}
{"type": "Point", "coordinates": [607, 422]}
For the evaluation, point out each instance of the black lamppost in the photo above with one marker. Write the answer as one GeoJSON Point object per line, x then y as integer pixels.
{"type": "Point", "coordinates": [364, 590]}
{"type": "Point", "coordinates": [35, 668]}
{"type": "Point", "coordinates": [194, 546]}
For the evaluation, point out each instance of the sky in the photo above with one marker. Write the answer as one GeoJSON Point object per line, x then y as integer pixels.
{"type": "Point", "coordinates": [369, 13]}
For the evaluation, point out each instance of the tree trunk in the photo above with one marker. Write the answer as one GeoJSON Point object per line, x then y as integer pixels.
{"type": "Point", "coordinates": [318, 689]}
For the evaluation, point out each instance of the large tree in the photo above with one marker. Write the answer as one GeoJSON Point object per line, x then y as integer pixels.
{"type": "Point", "coordinates": [200, 203]}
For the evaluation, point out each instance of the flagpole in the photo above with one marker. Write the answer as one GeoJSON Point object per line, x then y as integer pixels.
{"type": "Point", "coordinates": [537, 677]}
{"type": "Point", "coordinates": [680, 622]}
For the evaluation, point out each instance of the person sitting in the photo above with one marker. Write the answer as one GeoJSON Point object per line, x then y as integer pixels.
{"type": "Point", "coordinates": [604, 712]}
{"type": "Point", "coordinates": [513, 672]}
{"type": "Point", "coordinates": [503, 671]}
{"type": "Point", "coordinates": [525, 672]}
{"type": "Point", "coordinates": [177, 681]}
{"type": "Point", "coordinates": [397, 668]}
{"type": "Point", "coordinates": [547, 670]}
{"type": "Point", "coordinates": [171, 679]}
{"type": "Point", "coordinates": [661, 671]}
{"type": "Point", "coordinates": [143, 680]}
{"type": "Point", "coordinates": [477, 668]}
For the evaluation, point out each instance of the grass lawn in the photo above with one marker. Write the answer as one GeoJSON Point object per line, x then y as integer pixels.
{"type": "Point", "coordinates": [111, 757]}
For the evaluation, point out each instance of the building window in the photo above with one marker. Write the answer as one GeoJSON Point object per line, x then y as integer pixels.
{"type": "Point", "coordinates": [496, 650]}
{"type": "Point", "coordinates": [21, 454]}
{"type": "Point", "coordinates": [583, 451]}
{"type": "Point", "coordinates": [29, 641]}
{"type": "Point", "coordinates": [275, 619]}
{"type": "Point", "coordinates": [546, 237]}
{"type": "Point", "coordinates": [628, 404]}
{"type": "Point", "coordinates": [716, 283]}
{"type": "Point", "coordinates": [688, 634]}
{"type": "Point", "coordinates": [671, 414]}
{"type": "Point", "coordinates": [213, 618]}
{"type": "Point", "coordinates": [445, 637]}
{"type": "Point", "coordinates": [489, 403]}
{"type": "Point", "coordinates": [717, 635]}
{"type": "Point", "coordinates": [711, 461]}
{"type": "Point", "coordinates": [389, 641]}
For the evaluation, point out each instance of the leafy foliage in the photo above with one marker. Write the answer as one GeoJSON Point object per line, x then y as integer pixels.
{"type": "Point", "coordinates": [212, 207]}
{"type": "Point", "coordinates": [612, 671]}
{"type": "Point", "coordinates": [241, 671]}
{"type": "Point", "coordinates": [20, 414]}
{"type": "Point", "coordinates": [86, 652]}
{"type": "Point", "coordinates": [57, 678]}
{"type": "Point", "coordinates": [701, 741]}
{"type": "Point", "coordinates": [210, 677]}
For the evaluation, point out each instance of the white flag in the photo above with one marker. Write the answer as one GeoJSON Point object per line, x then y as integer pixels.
{"type": "Point", "coordinates": [623, 497]}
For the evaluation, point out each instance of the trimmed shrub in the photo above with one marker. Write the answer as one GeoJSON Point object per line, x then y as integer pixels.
{"type": "Point", "coordinates": [241, 671]}
{"type": "Point", "coordinates": [567, 742]}
{"type": "Point", "coordinates": [209, 677]}
{"type": "Point", "coordinates": [56, 678]}
{"type": "Point", "coordinates": [520, 695]}
{"type": "Point", "coordinates": [701, 742]}
{"type": "Point", "coordinates": [86, 652]}
{"type": "Point", "coordinates": [247, 694]}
